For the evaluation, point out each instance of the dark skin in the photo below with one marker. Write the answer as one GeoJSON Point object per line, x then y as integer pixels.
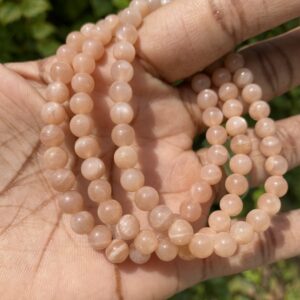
{"type": "Point", "coordinates": [40, 256]}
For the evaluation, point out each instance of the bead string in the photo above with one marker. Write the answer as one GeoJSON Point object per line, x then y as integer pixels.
{"type": "Point", "coordinates": [220, 97]}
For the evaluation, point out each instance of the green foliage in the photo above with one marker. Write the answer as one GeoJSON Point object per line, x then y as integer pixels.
{"type": "Point", "coordinates": [30, 29]}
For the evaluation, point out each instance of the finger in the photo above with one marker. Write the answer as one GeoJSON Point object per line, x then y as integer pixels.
{"type": "Point", "coordinates": [187, 35]}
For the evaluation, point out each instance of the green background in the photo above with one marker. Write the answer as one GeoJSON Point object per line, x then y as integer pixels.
{"type": "Point", "coordinates": [31, 29]}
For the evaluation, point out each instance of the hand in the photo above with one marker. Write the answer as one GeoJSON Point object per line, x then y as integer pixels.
{"type": "Point", "coordinates": [41, 258]}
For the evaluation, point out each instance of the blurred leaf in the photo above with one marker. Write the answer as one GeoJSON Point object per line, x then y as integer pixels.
{"type": "Point", "coordinates": [47, 47]}
{"type": "Point", "coordinates": [32, 8]}
{"type": "Point", "coordinates": [119, 4]}
{"type": "Point", "coordinates": [101, 7]}
{"type": "Point", "coordinates": [41, 30]}
{"type": "Point", "coordinates": [9, 12]}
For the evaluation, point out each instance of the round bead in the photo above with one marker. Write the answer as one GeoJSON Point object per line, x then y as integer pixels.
{"type": "Point", "coordinates": [81, 125]}
{"type": "Point", "coordinates": [140, 5]}
{"type": "Point", "coordinates": [61, 71]}
{"type": "Point", "coordinates": [74, 40]}
{"type": "Point", "coordinates": [219, 221]}
{"type": "Point", "coordinates": [128, 227]}
{"type": "Point", "coordinates": [117, 251]}
{"type": "Point", "coordinates": [270, 145]}
{"type": "Point", "coordinates": [241, 164]}
{"type": "Point", "coordinates": [269, 203]}
{"type": "Point", "coordinates": [120, 91]}
{"type": "Point", "coordinates": [232, 108]}
{"type": "Point", "coordinates": [93, 48]}
{"type": "Point", "coordinates": [125, 157]}
{"type": "Point", "coordinates": [53, 113]}
{"type": "Point", "coordinates": [212, 174]}
{"type": "Point", "coordinates": [161, 218]}
{"type": "Point", "coordinates": [216, 135]}
{"type": "Point", "coordinates": [82, 222]}
{"type": "Point", "coordinates": [217, 154]}
{"type": "Point", "coordinates": [265, 127]}
{"type": "Point", "coordinates": [200, 82]}
{"type": "Point", "coordinates": [103, 32]}
{"type": "Point", "coordinates": [99, 190]}
{"type": "Point", "coordinates": [251, 93]}
{"type": "Point", "coordinates": [146, 198]}
{"type": "Point", "coordinates": [236, 184]}
{"type": "Point", "coordinates": [55, 158]}
{"type": "Point", "coordinates": [132, 180]}
{"type": "Point", "coordinates": [57, 92]}
{"type": "Point", "coordinates": [87, 146]}
{"type": "Point", "coordinates": [259, 110]}
{"type": "Point", "coordinates": [52, 135]}
{"type": "Point", "coordinates": [122, 70]}
{"type": "Point", "coordinates": [241, 144]}
{"type": "Point", "coordinates": [110, 212]}
{"type": "Point", "coordinates": [146, 242]}
{"type": "Point", "coordinates": [83, 63]}
{"type": "Point", "coordinates": [243, 77]}
{"type": "Point", "coordinates": [82, 82]}
{"type": "Point", "coordinates": [127, 32]}
{"type": "Point", "coordinates": [92, 168]}
{"type": "Point", "coordinates": [124, 51]}
{"type": "Point", "coordinates": [221, 76]}
{"type": "Point", "coordinates": [121, 113]}
{"type": "Point", "coordinates": [234, 61]}
{"type": "Point", "coordinates": [236, 125]}
{"type": "Point", "coordinates": [87, 30]}
{"type": "Point", "coordinates": [225, 245]}
{"type": "Point", "coordinates": [201, 191]}
{"type": "Point", "coordinates": [190, 210]}
{"type": "Point", "coordinates": [231, 204]}
{"type": "Point", "coordinates": [137, 257]}
{"type": "Point", "coordinates": [100, 237]}
{"type": "Point", "coordinates": [65, 53]}
{"type": "Point", "coordinates": [201, 245]}
{"type": "Point", "coordinates": [184, 253]}
{"type": "Point", "coordinates": [112, 22]}
{"type": "Point", "coordinates": [242, 232]}
{"type": "Point", "coordinates": [207, 98]}
{"type": "Point", "coordinates": [259, 220]}
{"type": "Point", "coordinates": [70, 202]}
{"type": "Point", "coordinates": [228, 91]}
{"type": "Point", "coordinates": [81, 103]}
{"type": "Point", "coordinates": [131, 16]}
{"type": "Point", "coordinates": [122, 135]}
{"type": "Point", "coordinates": [180, 232]}
{"type": "Point", "coordinates": [276, 165]}
{"type": "Point", "coordinates": [62, 180]}
{"type": "Point", "coordinates": [212, 116]}
{"type": "Point", "coordinates": [166, 250]}
{"type": "Point", "coordinates": [276, 185]}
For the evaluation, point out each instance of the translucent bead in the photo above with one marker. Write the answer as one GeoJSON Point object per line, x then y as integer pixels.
{"type": "Point", "coordinates": [112, 22]}
{"type": "Point", "coordinates": [137, 257]}
{"type": "Point", "coordinates": [241, 144]}
{"type": "Point", "coordinates": [57, 92]}
{"type": "Point", "coordinates": [219, 221]}
{"type": "Point", "coordinates": [92, 168]}
{"type": "Point", "coordinates": [83, 63]}
{"type": "Point", "coordinates": [146, 198]}
{"type": "Point", "coordinates": [217, 154]}
{"type": "Point", "coordinates": [201, 245]}
{"type": "Point", "coordinates": [140, 5]}
{"type": "Point", "coordinates": [121, 113]}
{"type": "Point", "coordinates": [103, 32]}
{"type": "Point", "coordinates": [241, 164]}
{"type": "Point", "coordinates": [70, 202]}
{"type": "Point", "coordinates": [259, 220]}
{"type": "Point", "coordinates": [166, 250]}
{"type": "Point", "coordinates": [53, 113]}
{"type": "Point", "coordinates": [124, 51]}
{"type": "Point", "coordinates": [236, 125]}
{"type": "Point", "coordinates": [82, 82]}
{"type": "Point", "coordinates": [265, 127]}
{"type": "Point", "coordinates": [231, 204]}
{"type": "Point", "coordinates": [212, 116]}
{"type": "Point", "coordinates": [212, 174]}
{"type": "Point", "coordinates": [87, 146]}
{"type": "Point", "coordinates": [52, 135]}
{"type": "Point", "coordinates": [82, 222]}
{"type": "Point", "coordinates": [228, 91]}
{"type": "Point", "coordinates": [243, 77]}
{"type": "Point", "coordinates": [74, 40]}
{"type": "Point", "coordinates": [65, 53]}
{"type": "Point", "coordinates": [128, 227]}
{"type": "Point", "coordinates": [200, 82]}
{"type": "Point", "coordinates": [234, 61]}
{"type": "Point", "coordinates": [123, 135]}
{"type": "Point", "coordinates": [207, 98]}
{"type": "Point", "coordinates": [146, 242]}
{"type": "Point", "coordinates": [131, 16]}
{"type": "Point", "coordinates": [125, 157]}
{"type": "Point", "coordinates": [99, 190]}
{"type": "Point", "coordinates": [81, 103]}
{"type": "Point", "coordinates": [259, 110]}
{"type": "Point", "coordinates": [216, 135]}
{"type": "Point", "coordinates": [201, 191]}
{"type": "Point", "coordinates": [251, 93]}
{"type": "Point", "coordinates": [132, 179]}
{"type": "Point", "coordinates": [232, 108]}
{"type": "Point", "coordinates": [242, 232]}
{"type": "Point", "coordinates": [93, 48]}
{"type": "Point", "coordinates": [236, 184]}
{"type": "Point", "coordinates": [110, 212]}
{"type": "Point", "coordinates": [87, 30]}
{"type": "Point", "coordinates": [184, 253]}
{"type": "Point", "coordinates": [61, 71]}
{"type": "Point", "coordinates": [269, 203]}
{"type": "Point", "coordinates": [225, 245]}
{"type": "Point", "coordinates": [190, 210]}
{"type": "Point", "coordinates": [161, 218]}
{"type": "Point", "coordinates": [100, 237]}
{"type": "Point", "coordinates": [153, 4]}
{"type": "Point", "coordinates": [127, 32]}
{"type": "Point", "coordinates": [120, 91]}
{"type": "Point", "coordinates": [276, 185]}
{"type": "Point", "coordinates": [117, 251]}
{"type": "Point", "coordinates": [180, 232]}
{"type": "Point", "coordinates": [276, 165]}
{"type": "Point", "coordinates": [221, 76]}
{"type": "Point", "coordinates": [81, 125]}
{"type": "Point", "coordinates": [55, 158]}
{"type": "Point", "coordinates": [270, 145]}
{"type": "Point", "coordinates": [62, 180]}
{"type": "Point", "coordinates": [122, 70]}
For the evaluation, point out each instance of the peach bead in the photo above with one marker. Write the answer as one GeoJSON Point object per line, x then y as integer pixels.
{"type": "Point", "coordinates": [154, 4]}
{"type": "Point", "coordinates": [123, 135]}
{"type": "Point", "coordinates": [87, 146]}
{"type": "Point", "coordinates": [57, 92]}
{"type": "Point", "coordinates": [103, 32]}
{"type": "Point", "coordinates": [180, 232]}
{"type": "Point", "coordinates": [184, 253]}
{"type": "Point", "coordinates": [55, 158]}
{"type": "Point", "coordinates": [131, 16]}
{"type": "Point", "coordinates": [82, 82]}
{"type": "Point", "coordinates": [61, 71]}
{"type": "Point", "coordinates": [92, 168]}
{"type": "Point", "coordinates": [207, 98]}
{"type": "Point", "coordinates": [276, 165]}
{"type": "Point", "coordinates": [62, 180]}
{"type": "Point", "coordinates": [100, 237]}
{"type": "Point", "coordinates": [65, 53]}
{"type": "Point", "coordinates": [70, 202]}
{"type": "Point", "coordinates": [242, 232]}
{"type": "Point", "coordinates": [207, 231]}
{"type": "Point", "coordinates": [128, 227]}
{"type": "Point", "coordinates": [225, 245]}
{"type": "Point", "coordinates": [219, 221]}
{"type": "Point", "coordinates": [137, 257]}
{"type": "Point", "coordinates": [270, 145]}
{"type": "Point", "coordinates": [132, 179]}
{"type": "Point", "coordinates": [120, 91]}
{"type": "Point", "coordinates": [276, 185]}
{"type": "Point", "coordinates": [121, 113]}
{"type": "Point", "coordinates": [74, 40]}
{"type": "Point", "coordinates": [241, 164]}
{"type": "Point", "coordinates": [146, 198]}
{"type": "Point", "coordinates": [110, 212]}
{"type": "Point", "coordinates": [201, 191]}
{"type": "Point", "coordinates": [82, 222]}
{"type": "Point", "coordinates": [141, 6]}
{"type": "Point", "coordinates": [228, 91]}
{"type": "Point", "coordinates": [243, 77]}
{"type": "Point", "coordinates": [231, 204]}
{"type": "Point", "coordinates": [52, 135]}
{"type": "Point", "coordinates": [83, 63]}
{"type": "Point", "coordinates": [236, 184]}
{"type": "Point", "coordinates": [112, 22]}
{"type": "Point", "coordinates": [190, 210]}
{"type": "Point", "coordinates": [201, 245]}
{"type": "Point", "coordinates": [236, 125]}
{"type": "Point", "coordinates": [117, 251]}
{"type": "Point", "coordinates": [259, 219]}
{"type": "Point", "coordinates": [161, 218]}
{"type": "Point", "coordinates": [127, 32]}
{"type": "Point", "coordinates": [146, 242]}
{"type": "Point", "coordinates": [251, 93]}
{"type": "Point", "coordinates": [211, 173]}
{"type": "Point", "coordinates": [124, 51]}
{"type": "Point", "coordinates": [259, 110]}
{"type": "Point", "coordinates": [93, 48]}
{"type": "Point", "coordinates": [265, 127]}
{"type": "Point", "coordinates": [99, 190]}
{"type": "Point", "coordinates": [122, 70]}
{"type": "Point", "coordinates": [221, 76]}
{"type": "Point", "coordinates": [87, 30]}
{"type": "Point", "coordinates": [232, 108]}
{"type": "Point", "coordinates": [200, 82]}
{"type": "Point", "coordinates": [81, 103]}
{"type": "Point", "coordinates": [216, 135]}
{"type": "Point", "coordinates": [53, 113]}
{"type": "Point", "coordinates": [81, 125]}
{"type": "Point", "coordinates": [241, 144]}
{"type": "Point", "coordinates": [166, 250]}
{"type": "Point", "coordinates": [217, 154]}
{"type": "Point", "coordinates": [269, 203]}
{"type": "Point", "coordinates": [234, 61]}
{"type": "Point", "coordinates": [212, 116]}
{"type": "Point", "coordinates": [125, 157]}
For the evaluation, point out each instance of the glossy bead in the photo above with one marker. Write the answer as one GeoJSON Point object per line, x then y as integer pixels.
{"type": "Point", "coordinates": [82, 83]}
{"type": "Point", "coordinates": [166, 250]}
{"type": "Point", "coordinates": [251, 93]}
{"type": "Point", "coordinates": [234, 61]}
{"type": "Point", "coordinates": [87, 146]}
{"type": "Point", "coordinates": [265, 127]}
{"type": "Point", "coordinates": [81, 103]}
{"type": "Point", "coordinates": [146, 198]}
{"type": "Point", "coordinates": [276, 165]}
{"type": "Point", "coordinates": [127, 32]}
{"type": "Point", "coordinates": [99, 190]}
{"type": "Point", "coordinates": [112, 22]}
{"type": "Point", "coordinates": [243, 77]}
{"type": "Point", "coordinates": [236, 184]}
{"type": "Point", "coordinates": [131, 16]}
{"type": "Point", "coordinates": [52, 135]}
{"type": "Point", "coordinates": [217, 154]}
{"type": "Point", "coordinates": [132, 179]}
{"type": "Point", "coordinates": [53, 113]}
{"type": "Point", "coordinates": [110, 212]}
{"type": "Point", "coordinates": [82, 222]}
{"type": "Point", "coordinates": [270, 145]}
{"type": "Point", "coordinates": [241, 164]}
{"type": "Point", "coordinates": [146, 242]}
{"type": "Point", "coordinates": [201, 191]}
{"type": "Point", "coordinates": [242, 232]}
{"type": "Point", "coordinates": [61, 71]}
{"type": "Point", "coordinates": [140, 5]}
{"type": "Point", "coordinates": [241, 144]}
{"type": "Point", "coordinates": [81, 125]}
{"type": "Point", "coordinates": [259, 110]}
{"type": "Point", "coordinates": [232, 108]}
{"type": "Point", "coordinates": [55, 158]}
{"type": "Point", "coordinates": [70, 202]}
{"type": "Point", "coordinates": [137, 257]}
{"type": "Point", "coordinates": [125, 157]}
{"type": "Point", "coordinates": [236, 126]}
{"type": "Point", "coordinates": [153, 4]}
{"type": "Point", "coordinates": [216, 135]}
{"type": "Point", "coordinates": [57, 92]}
{"type": "Point", "coordinates": [228, 91]}
{"type": "Point", "coordinates": [128, 227]}
{"type": "Point", "coordinates": [210, 173]}
{"type": "Point", "coordinates": [184, 253]}
{"type": "Point", "coordinates": [92, 168]}
{"type": "Point", "coordinates": [221, 76]}
{"type": "Point", "coordinates": [212, 116]}
{"type": "Point", "coordinates": [219, 221]}
{"type": "Point", "coordinates": [83, 63]}
{"type": "Point", "coordinates": [103, 32]}
{"type": "Point", "coordinates": [122, 70]}
{"type": "Point", "coordinates": [201, 245]}
{"type": "Point", "coordinates": [231, 204]}
{"type": "Point", "coordinates": [87, 30]}
{"type": "Point", "coordinates": [259, 220]}
{"type": "Point", "coordinates": [276, 185]}
{"type": "Point", "coordinates": [93, 48]}
{"type": "Point", "coordinates": [200, 82]}
{"type": "Point", "coordinates": [62, 180]}
{"type": "Point", "coordinates": [190, 210]}
{"type": "Point", "coordinates": [161, 218]}
{"type": "Point", "coordinates": [124, 51]}
{"type": "Point", "coordinates": [180, 232]}
{"type": "Point", "coordinates": [65, 53]}
{"type": "Point", "coordinates": [100, 237]}
{"type": "Point", "coordinates": [207, 98]}
{"type": "Point", "coordinates": [269, 203]}
{"type": "Point", "coordinates": [75, 40]}
{"type": "Point", "coordinates": [117, 251]}
{"type": "Point", "coordinates": [123, 135]}
{"type": "Point", "coordinates": [225, 245]}
{"type": "Point", "coordinates": [121, 113]}
{"type": "Point", "coordinates": [120, 91]}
